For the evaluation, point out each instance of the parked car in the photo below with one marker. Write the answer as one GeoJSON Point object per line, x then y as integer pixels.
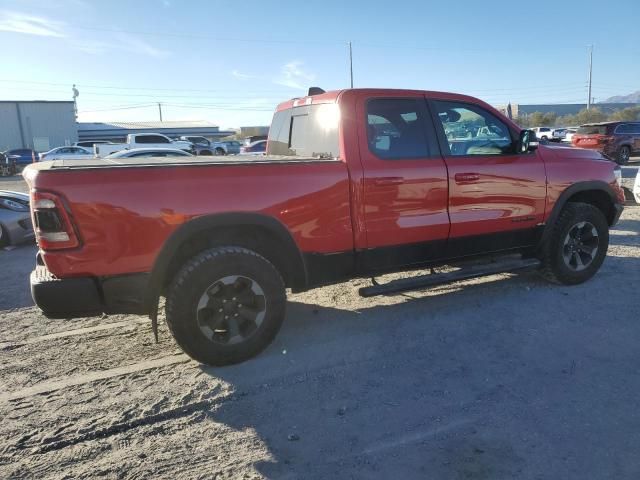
{"type": "Point", "coordinates": [22, 156]}
{"type": "Point", "coordinates": [255, 148]}
{"type": "Point", "coordinates": [204, 146]}
{"type": "Point", "coordinates": [142, 140]}
{"type": "Point", "coordinates": [90, 143]}
{"type": "Point", "coordinates": [569, 133]}
{"type": "Point", "coordinates": [201, 145]}
{"type": "Point", "coordinates": [549, 134]}
{"type": "Point", "coordinates": [15, 218]}
{"type": "Point", "coordinates": [227, 147]}
{"type": "Point", "coordinates": [253, 138]}
{"type": "Point", "coordinates": [617, 140]}
{"type": "Point", "coordinates": [335, 198]}
{"type": "Point", "coordinates": [148, 152]}
{"type": "Point", "coordinates": [71, 153]}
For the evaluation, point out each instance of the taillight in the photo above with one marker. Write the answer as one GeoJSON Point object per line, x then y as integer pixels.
{"type": "Point", "coordinates": [52, 222]}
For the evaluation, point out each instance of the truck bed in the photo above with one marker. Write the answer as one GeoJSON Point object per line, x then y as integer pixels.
{"type": "Point", "coordinates": [72, 164]}
{"type": "Point", "coordinates": [124, 212]}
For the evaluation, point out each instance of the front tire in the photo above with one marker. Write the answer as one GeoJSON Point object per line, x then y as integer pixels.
{"type": "Point", "coordinates": [220, 151]}
{"type": "Point", "coordinates": [577, 245]}
{"type": "Point", "coordinates": [225, 305]}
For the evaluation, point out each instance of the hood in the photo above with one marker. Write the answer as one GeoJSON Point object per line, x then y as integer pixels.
{"type": "Point", "coordinates": [571, 153]}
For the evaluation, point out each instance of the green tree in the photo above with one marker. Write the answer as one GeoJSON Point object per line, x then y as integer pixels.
{"type": "Point", "coordinates": [626, 115]}
{"type": "Point", "coordinates": [591, 115]}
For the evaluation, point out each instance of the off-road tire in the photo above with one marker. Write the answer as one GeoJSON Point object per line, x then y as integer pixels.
{"type": "Point", "coordinates": [196, 276]}
{"type": "Point", "coordinates": [553, 266]}
{"type": "Point", "coordinates": [622, 157]}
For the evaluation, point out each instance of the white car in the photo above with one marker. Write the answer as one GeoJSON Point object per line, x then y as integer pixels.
{"type": "Point", "coordinates": [148, 152]}
{"type": "Point", "coordinates": [569, 133]}
{"type": "Point", "coordinates": [68, 153]}
{"type": "Point", "coordinates": [142, 140]}
{"type": "Point", "coordinates": [548, 133]}
{"type": "Point", "coordinates": [636, 188]}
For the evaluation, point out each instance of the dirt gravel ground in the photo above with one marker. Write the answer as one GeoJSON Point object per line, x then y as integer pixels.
{"type": "Point", "coordinates": [504, 377]}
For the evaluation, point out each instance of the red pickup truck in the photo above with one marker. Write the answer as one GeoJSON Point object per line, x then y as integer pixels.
{"type": "Point", "coordinates": [354, 183]}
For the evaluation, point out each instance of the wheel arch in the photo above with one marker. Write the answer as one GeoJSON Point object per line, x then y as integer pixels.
{"type": "Point", "coordinates": [596, 193]}
{"type": "Point", "coordinates": [262, 233]}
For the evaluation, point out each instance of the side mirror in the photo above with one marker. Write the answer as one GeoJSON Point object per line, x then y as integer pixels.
{"type": "Point", "coordinates": [527, 142]}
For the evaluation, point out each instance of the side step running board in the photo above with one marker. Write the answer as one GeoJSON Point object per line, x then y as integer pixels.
{"type": "Point", "coordinates": [425, 281]}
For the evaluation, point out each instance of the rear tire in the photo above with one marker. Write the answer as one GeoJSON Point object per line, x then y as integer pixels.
{"type": "Point", "coordinates": [225, 305]}
{"type": "Point", "coordinates": [623, 155]}
{"type": "Point", "coordinates": [577, 246]}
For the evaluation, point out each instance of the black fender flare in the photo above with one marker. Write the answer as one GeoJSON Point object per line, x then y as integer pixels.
{"type": "Point", "coordinates": [205, 223]}
{"type": "Point", "coordinates": [570, 192]}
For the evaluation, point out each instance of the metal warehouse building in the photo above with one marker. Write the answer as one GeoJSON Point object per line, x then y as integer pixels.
{"type": "Point", "coordinates": [37, 124]}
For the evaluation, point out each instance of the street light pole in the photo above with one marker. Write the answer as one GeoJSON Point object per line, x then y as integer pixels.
{"type": "Point", "coordinates": [590, 75]}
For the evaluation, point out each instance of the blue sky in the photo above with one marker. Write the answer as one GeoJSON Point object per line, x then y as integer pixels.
{"type": "Point", "coordinates": [232, 62]}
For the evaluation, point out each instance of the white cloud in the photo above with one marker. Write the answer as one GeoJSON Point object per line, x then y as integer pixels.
{"type": "Point", "coordinates": [135, 45]}
{"type": "Point", "coordinates": [292, 75]}
{"type": "Point", "coordinates": [30, 24]}
{"type": "Point", "coordinates": [241, 76]}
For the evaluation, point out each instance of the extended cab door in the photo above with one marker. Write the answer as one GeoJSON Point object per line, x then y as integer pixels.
{"type": "Point", "coordinates": [405, 183]}
{"type": "Point", "coordinates": [496, 196]}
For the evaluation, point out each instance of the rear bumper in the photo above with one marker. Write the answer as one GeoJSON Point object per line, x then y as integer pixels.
{"type": "Point", "coordinates": [87, 296]}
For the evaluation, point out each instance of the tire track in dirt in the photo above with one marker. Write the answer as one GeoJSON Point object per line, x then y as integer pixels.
{"type": "Point", "coordinates": [125, 325]}
{"type": "Point", "coordinates": [61, 383]}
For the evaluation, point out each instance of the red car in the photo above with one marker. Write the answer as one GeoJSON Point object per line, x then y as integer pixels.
{"type": "Point", "coordinates": [355, 183]}
{"type": "Point", "coordinates": [616, 140]}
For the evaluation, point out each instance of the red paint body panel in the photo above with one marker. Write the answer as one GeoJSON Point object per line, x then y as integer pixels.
{"type": "Point", "coordinates": [404, 201]}
{"type": "Point", "coordinates": [124, 214]}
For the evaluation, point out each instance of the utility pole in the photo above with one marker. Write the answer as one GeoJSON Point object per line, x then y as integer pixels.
{"type": "Point", "coordinates": [351, 63]}
{"type": "Point", "coordinates": [160, 110]}
{"type": "Point", "coordinates": [590, 74]}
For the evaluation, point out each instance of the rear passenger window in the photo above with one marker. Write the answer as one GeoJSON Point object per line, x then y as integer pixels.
{"type": "Point", "coordinates": [628, 128]}
{"type": "Point", "coordinates": [396, 128]}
